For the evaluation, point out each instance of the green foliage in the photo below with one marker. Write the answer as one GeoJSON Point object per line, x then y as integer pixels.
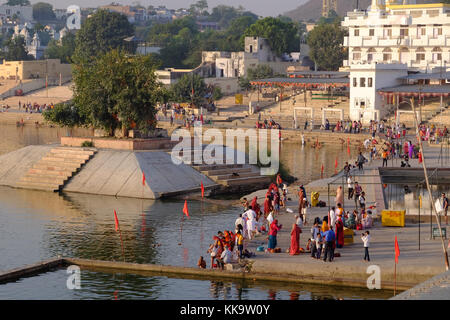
{"type": "Point", "coordinates": [62, 50]}
{"type": "Point", "coordinates": [217, 93]}
{"type": "Point", "coordinates": [43, 12]}
{"type": "Point", "coordinates": [333, 17]}
{"type": "Point", "coordinates": [100, 33]}
{"type": "Point", "coordinates": [117, 90]}
{"type": "Point", "coordinates": [282, 36]}
{"type": "Point", "coordinates": [182, 90]}
{"type": "Point", "coordinates": [325, 42]}
{"type": "Point", "coordinates": [182, 43]}
{"type": "Point", "coordinates": [199, 8]}
{"type": "Point", "coordinates": [87, 144]}
{"type": "Point", "coordinates": [64, 115]}
{"type": "Point", "coordinates": [260, 72]}
{"type": "Point", "coordinates": [18, 3]}
{"type": "Point", "coordinates": [16, 49]}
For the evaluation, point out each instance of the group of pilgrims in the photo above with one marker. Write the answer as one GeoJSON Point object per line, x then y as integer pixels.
{"type": "Point", "coordinates": [327, 234]}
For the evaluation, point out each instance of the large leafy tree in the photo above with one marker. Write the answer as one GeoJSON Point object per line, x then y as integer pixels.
{"type": "Point", "coordinates": [188, 84]}
{"type": "Point", "coordinates": [62, 50]}
{"type": "Point", "coordinates": [114, 91]}
{"type": "Point", "coordinates": [282, 36]}
{"type": "Point", "coordinates": [43, 11]}
{"type": "Point", "coordinates": [260, 72]}
{"type": "Point", "coordinates": [16, 49]}
{"type": "Point", "coordinates": [325, 42]}
{"type": "Point", "coordinates": [100, 33]}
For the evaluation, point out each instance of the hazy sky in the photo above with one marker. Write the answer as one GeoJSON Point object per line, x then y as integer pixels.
{"type": "Point", "coordinates": [260, 7]}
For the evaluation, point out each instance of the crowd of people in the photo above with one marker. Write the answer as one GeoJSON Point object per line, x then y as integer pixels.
{"type": "Point", "coordinates": [267, 124]}
{"type": "Point", "coordinates": [35, 107]}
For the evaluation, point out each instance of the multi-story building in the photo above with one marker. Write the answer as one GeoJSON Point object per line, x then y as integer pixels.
{"type": "Point", "coordinates": [393, 32]}
{"type": "Point", "coordinates": [385, 44]}
{"type": "Point", "coordinates": [23, 13]}
{"type": "Point", "coordinates": [327, 6]}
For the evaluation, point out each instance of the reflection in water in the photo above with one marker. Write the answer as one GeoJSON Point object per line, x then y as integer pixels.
{"type": "Point", "coordinates": [39, 225]}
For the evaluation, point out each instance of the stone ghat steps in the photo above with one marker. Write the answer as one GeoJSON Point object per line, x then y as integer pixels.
{"type": "Point", "coordinates": [229, 174]}
{"type": "Point", "coordinates": [55, 168]}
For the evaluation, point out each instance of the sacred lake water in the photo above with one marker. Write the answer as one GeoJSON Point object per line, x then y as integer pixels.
{"type": "Point", "coordinates": [35, 226]}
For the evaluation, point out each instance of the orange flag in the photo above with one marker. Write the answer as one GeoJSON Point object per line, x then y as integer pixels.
{"type": "Point", "coordinates": [397, 250]}
{"type": "Point", "coordinates": [143, 178]}
{"type": "Point", "coordinates": [185, 209]}
{"type": "Point", "coordinates": [116, 220]}
{"type": "Point", "coordinates": [321, 170]}
{"type": "Point", "coordinates": [203, 189]}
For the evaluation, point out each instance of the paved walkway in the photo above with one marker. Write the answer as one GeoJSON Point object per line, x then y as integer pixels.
{"type": "Point", "coordinates": [415, 265]}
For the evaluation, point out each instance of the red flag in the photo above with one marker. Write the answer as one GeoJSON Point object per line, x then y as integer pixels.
{"type": "Point", "coordinates": [335, 163]}
{"type": "Point", "coordinates": [143, 178]}
{"type": "Point", "coordinates": [203, 189]}
{"type": "Point", "coordinates": [185, 209]}
{"type": "Point", "coordinates": [116, 220]}
{"type": "Point", "coordinates": [321, 170]}
{"type": "Point", "coordinates": [397, 250]}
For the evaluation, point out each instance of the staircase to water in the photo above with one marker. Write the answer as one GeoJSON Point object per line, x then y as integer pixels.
{"type": "Point", "coordinates": [53, 171]}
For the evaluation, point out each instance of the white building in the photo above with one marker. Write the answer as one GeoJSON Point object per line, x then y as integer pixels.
{"type": "Point", "coordinates": [365, 80]}
{"type": "Point", "coordinates": [399, 32]}
{"type": "Point", "coordinates": [23, 13]}
{"type": "Point", "coordinates": [385, 43]}
{"type": "Point", "coordinates": [257, 52]}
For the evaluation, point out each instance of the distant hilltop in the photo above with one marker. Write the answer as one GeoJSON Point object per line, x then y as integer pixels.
{"type": "Point", "coordinates": [313, 8]}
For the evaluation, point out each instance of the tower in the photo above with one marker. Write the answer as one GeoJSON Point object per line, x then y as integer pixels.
{"type": "Point", "coordinates": [328, 5]}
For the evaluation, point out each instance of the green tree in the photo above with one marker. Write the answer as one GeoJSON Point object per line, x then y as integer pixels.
{"type": "Point", "coordinates": [62, 50]}
{"type": "Point", "coordinates": [117, 91]}
{"type": "Point", "coordinates": [43, 11]}
{"type": "Point", "coordinates": [260, 72]}
{"type": "Point", "coordinates": [100, 33]}
{"type": "Point", "coordinates": [16, 49]}
{"type": "Point", "coordinates": [18, 3]}
{"type": "Point", "coordinates": [282, 36]}
{"type": "Point", "coordinates": [325, 42]}
{"type": "Point", "coordinates": [65, 115]}
{"type": "Point", "coordinates": [182, 90]}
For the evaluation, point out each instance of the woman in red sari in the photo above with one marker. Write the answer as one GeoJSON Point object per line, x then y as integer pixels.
{"type": "Point", "coordinates": [267, 206]}
{"type": "Point", "coordinates": [255, 205]}
{"type": "Point", "coordinates": [339, 232]}
{"type": "Point", "coordinates": [295, 240]}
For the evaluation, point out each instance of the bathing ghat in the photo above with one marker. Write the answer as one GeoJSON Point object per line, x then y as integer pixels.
{"type": "Point", "coordinates": [120, 172]}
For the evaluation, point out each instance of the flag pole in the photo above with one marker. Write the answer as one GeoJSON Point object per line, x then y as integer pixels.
{"type": "Point", "coordinates": [395, 278]}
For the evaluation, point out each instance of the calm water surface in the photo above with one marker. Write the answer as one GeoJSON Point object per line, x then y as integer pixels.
{"type": "Point", "coordinates": [39, 225]}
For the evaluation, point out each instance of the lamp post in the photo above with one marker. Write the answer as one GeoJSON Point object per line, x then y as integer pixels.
{"type": "Point", "coordinates": [433, 208]}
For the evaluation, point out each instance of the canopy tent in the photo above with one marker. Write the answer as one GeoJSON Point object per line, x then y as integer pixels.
{"type": "Point", "coordinates": [416, 91]}
{"type": "Point", "coordinates": [302, 82]}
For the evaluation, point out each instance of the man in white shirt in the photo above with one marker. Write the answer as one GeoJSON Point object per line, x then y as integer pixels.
{"type": "Point", "coordinates": [365, 237]}
{"type": "Point", "coordinates": [350, 187]}
{"type": "Point", "coordinates": [239, 221]}
{"type": "Point", "coordinates": [250, 215]}
{"type": "Point", "coordinates": [226, 255]}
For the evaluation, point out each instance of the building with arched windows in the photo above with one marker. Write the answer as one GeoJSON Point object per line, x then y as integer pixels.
{"type": "Point", "coordinates": [386, 43]}
{"type": "Point", "coordinates": [399, 31]}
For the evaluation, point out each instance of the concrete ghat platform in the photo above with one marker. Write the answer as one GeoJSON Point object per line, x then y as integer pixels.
{"type": "Point", "coordinates": [114, 173]}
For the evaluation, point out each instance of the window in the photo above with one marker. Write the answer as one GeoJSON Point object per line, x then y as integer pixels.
{"type": "Point", "coordinates": [356, 32]}
{"type": "Point", "coordinates": [437, 56]}
{"type": "Point", "coordinates": [369, 82]}
{"type": "Point", "coordinates": [371, 32]}
{"type": "Point", "coordinates": [362, 82]}
{"type": "Point", "coordinates": [420, 56]}
{"type": "Point", "coordinates": [356, 55]}
{"type": "Point", "coordinates": [437, 32]}
{"type": "Point", "coordinates": [369, 57]}
{"type": "Point", "coordinates": [387, 57]}
{"type": "Point", "coordinates": [404, 32]}
{"type": "Point", "coordinates": [355, 82]}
